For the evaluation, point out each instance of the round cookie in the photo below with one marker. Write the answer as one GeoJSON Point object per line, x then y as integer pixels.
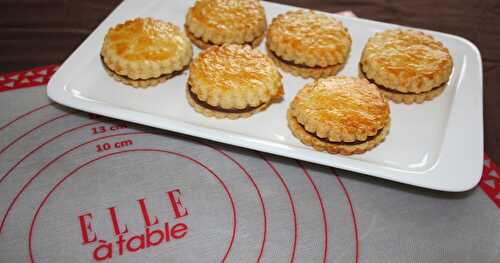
{"type": "Point", "coordinates": [308, 44]}
{"type": "Point", "coordinates": [138, 83]}
{"type": "Point", "coordinates": [408, 65]}
{"type": "Point", "coordinates": [145, 51]}
{"type": "Point", "coordinates": [409, 98]}
{"type": "Point", "coordinates": [232, 81]}
{"type": "Point", "coordinates": [217, 22]}
{"type": "Point", "coordinates": [305, 71]}
{"type": "Point", "coordinates": [339, 115]}
{"type": "Point", "coordinates": [406, 97]}
{"type": "Point", "coordinates": [334, 147]}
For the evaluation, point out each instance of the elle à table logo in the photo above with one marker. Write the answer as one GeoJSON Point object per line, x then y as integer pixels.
{"type": "Point", "coordinates": [155, 233]}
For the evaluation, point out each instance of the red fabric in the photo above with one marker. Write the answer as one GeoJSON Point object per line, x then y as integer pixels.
{"type": "Point", "coordinates": [26, 79]}
{"type": "Point", "coordinates": [490, 181]}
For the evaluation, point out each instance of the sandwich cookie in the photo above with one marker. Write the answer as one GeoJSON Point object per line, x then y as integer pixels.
{"type": "Point", "coordinates": [145, 52]}
{"type": "Point", "coordinates": [408, 66]}
{"type": "Point", "coordinates": [342, 115]}
{"type": "Point", "coordinates": [232, 81]}
{"type": "Point", "coordinates": [308, 44]}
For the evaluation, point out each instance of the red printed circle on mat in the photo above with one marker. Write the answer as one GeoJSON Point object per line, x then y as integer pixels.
{"type": "Point", "coordinates": [4, 126]}
{"type": "Point", "coordinates": [261, 199]}
{"type": "Point", "coordinates": [30, 131]}
{"type": "Point", "coordinates": [60, 182]}
{"type": "Point", "coordinates": [353, 217]}
{"type": "Point", "coordinates": [263, 240]}
{"type": "Point", "coordinates": [323, 213]}
{"type": "Point", "coordinates": [321, 206]}
{"type": "Point", "coordinates": [242, 168]}
{"type": "Point", "coordinates": [291, 202]}
{"type": "Point", "coordinates": [9, 171]}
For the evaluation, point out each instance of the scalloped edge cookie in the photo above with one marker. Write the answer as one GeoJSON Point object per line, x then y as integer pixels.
{"type": "Point", "coordinates": [145, 73]}
{"type": "Point", "coordinates": [141, 83]}
{"type": "Point", "coordinates": [231, 78]}
{"type": "Point", "coordinates": [204, 45]}
{"type": "Point", "coordinates": [407, 98]}
{"type": "Point", "coordinates": [204, 35]}
{"type": "Point", "coordinates": [303, 71]}
{"type": "Point", "coordinates": [417, 81]}
{"type": "Point", "coordinates": [297, 49]}
{"type": "Point", "coordinates": [221, 114]}
{"type": "Point", "coordinates": [334, 147]}
{"type": "Point", "coordinates": [344, 124]}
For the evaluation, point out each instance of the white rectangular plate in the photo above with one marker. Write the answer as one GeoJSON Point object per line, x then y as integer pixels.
{"type": "Point", "coordinates": [437, 145]}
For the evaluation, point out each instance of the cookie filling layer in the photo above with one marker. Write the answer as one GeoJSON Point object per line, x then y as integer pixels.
{"type": "Point", "coordinates": [219, 109]}
{"type": "Point", "coordinates": [171, 74]}
{"type": "Point", "coordinates": [340, 143]}
{"type": "Point", "coordinates": [291, 63]}
{"type": "Point", "coordinates": [363, 74]}
{"type": "Point", "coordinates": [191, 35]}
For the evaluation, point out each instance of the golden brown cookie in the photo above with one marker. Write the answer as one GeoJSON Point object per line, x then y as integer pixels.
{"type": "Point", "coordinates": [407, 62]}
{"type": "Point", "coordinates": [409, 98]}
{"type": "Point", "coordinates": [217, 22]}
{"type": "Point", "coordinates": [232, 81]}
{"type": "Point", "coordinates": [308, 44]}
{"type": "Point", "coordinates": [339, 115]}
{"type": "Point", "coordinates": [305, 71]}
{"type": "Point", "coordinates": [319, 144]}
{"type": "Point", "coordinates": [138, 83]}
{"type": "Point", "coordinates": [145, 51]}
{"type": "Point", "coordinates": [203, 45]}
{"type": "Point", "coordinates": [406, 97]}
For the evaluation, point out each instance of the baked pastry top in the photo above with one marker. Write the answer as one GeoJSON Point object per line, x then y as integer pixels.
{"type": "Point", "coordinates": [146, 48]}
{"type": "Point", "coordinates": [234, 77]}
{"type": "Point", "coordinates": [309, 38]}
{"type": "Point", "coordinates": [226, 21]}
{"type": "Point", "coordinates": [341, 109]}
{"type": "Point", "coordinates": [406, 60]}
